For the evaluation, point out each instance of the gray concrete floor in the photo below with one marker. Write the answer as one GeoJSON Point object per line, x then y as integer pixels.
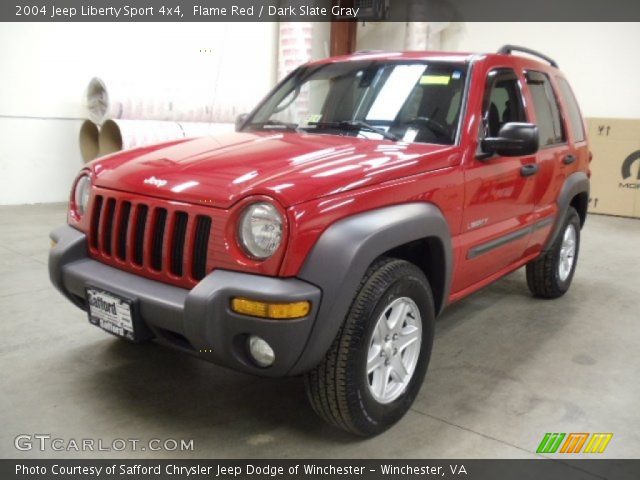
{"type": "Point", "coordinates": [506, 368]}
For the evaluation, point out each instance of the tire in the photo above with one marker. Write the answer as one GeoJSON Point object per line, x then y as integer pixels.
{"type": "Point", "coordinates": [547, 277]}
{"type": "Point", "coordinates": [340, 389]}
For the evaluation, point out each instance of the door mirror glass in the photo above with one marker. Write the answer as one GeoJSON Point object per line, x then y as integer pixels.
{"type": "Point", "coordinates": [514, 139]}
{"type": "Point", "coordinates": [240, 119]}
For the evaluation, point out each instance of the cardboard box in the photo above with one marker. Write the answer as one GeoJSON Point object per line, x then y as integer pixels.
{"type": "Point", "coordinates": [615, 178]}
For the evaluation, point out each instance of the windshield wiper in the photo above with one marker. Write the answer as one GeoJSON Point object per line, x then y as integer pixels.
{"type": "Point", "coordinates": [275, 125]}
{"type": "Point", "coordinates": [355, 125]}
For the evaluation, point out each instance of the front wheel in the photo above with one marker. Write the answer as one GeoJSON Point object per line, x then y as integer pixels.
{"type": "Point", "coordinates": [550, 275]}
{"type": "Point", "coordinates": [376, 365]}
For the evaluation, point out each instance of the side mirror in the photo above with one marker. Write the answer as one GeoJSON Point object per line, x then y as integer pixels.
{"type": "Point", "coordinates": [240, 119]}
{"type": "Point", "coordinates": [513, 140]}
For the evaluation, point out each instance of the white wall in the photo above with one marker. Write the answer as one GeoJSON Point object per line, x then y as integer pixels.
{"type": "Point", "coordinates": [601, 60]}
{"type": "Point", "coordinates": [321, 35]}
{"type": "Point", "coordinates": [398, 36]}
{"type": "Point", "coordinates": [388, 36]}
{"type": "Point", "coordinates": [45, 68]}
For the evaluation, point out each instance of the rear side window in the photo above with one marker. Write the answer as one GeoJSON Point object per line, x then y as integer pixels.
{"type": "Point", "coordinates": [547, 110]}
{"type": "Point", "coordinates": [575, 119]}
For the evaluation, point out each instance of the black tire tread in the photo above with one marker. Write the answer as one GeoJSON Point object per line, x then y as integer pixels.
{"type": "Point", "coordinates": [328, 383]}
{"type": "Point", "coordinates": [541, 272]}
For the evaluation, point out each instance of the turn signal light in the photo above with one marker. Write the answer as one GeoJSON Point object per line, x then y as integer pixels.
{"type": "Point", "coordinates": [278, 311]}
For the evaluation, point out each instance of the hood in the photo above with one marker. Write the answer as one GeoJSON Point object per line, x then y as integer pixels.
{"type": "Point", "coordinates": [290, 167]}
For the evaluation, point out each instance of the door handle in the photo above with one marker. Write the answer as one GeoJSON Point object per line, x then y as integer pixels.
{"type": "Point", "coordinates": [569, 159]}
{"type": "Point", "coordinates": [529, 169]}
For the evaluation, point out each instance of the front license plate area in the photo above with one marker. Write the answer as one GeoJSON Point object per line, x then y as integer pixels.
{"type": "Point", "coordinates": [112, 313]}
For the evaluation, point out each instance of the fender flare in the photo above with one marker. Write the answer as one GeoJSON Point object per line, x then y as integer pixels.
{"type": "Point", "coordinates": [576, 183]}
{"type": "Point", "coordinates": [345, 250]}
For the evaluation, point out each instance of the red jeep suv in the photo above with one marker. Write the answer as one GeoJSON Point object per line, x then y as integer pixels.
{"type": "Point", "coordinates": [360, 198]}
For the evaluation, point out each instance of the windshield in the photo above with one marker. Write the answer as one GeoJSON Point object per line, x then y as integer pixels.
{"type": "Point", "coordinates": [410, 101]}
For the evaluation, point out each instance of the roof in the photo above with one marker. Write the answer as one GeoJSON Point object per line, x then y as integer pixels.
{"type": "Point", "coordinates": [458, 57]}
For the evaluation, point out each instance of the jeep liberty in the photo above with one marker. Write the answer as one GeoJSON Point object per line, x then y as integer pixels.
{"type": "Point", "coordinates": [362, 196]}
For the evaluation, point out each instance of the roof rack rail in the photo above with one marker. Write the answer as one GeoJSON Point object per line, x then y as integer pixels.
{"type": "Point", "coordinates": [507, 49]}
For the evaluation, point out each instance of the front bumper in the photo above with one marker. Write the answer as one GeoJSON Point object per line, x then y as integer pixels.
{"type": "Point", "coordinates": [199, 320]}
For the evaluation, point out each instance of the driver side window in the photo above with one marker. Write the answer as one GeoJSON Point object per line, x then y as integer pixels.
{"type": "Point", "coordinates": [502, 102]}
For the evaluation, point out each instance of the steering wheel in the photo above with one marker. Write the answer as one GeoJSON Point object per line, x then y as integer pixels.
{"type": "Point", "coordinates": [433, 125]}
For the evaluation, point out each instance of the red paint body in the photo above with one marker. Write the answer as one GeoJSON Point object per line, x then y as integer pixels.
{"type": "Point", "coordinates": [319, 179]}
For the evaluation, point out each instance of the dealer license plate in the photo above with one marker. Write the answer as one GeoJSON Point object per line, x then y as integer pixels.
{"type": "Point", "coordinates": [112, 313]}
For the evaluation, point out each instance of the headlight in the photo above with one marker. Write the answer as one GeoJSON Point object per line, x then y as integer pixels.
{"type": "Point", "coordinates": [260, 230]}
{"type": "Point", "coordinates": [81, 194]}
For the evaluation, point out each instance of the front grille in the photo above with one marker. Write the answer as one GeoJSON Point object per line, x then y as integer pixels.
{"type": "Point", "coordinates": [106, 232]}
{"type": "Point", "coordinates": [203, 229]}
{"type": "Point", "coordinates": [123, 228]}
{"type": "Point", "coordinates": [159, 224]}
{"type": "Point", "coordinates": [158, 238]}
{"type": "Point", "coordinates": [138, 241]}
{"type": "Point", "coordinates": [179, 235]}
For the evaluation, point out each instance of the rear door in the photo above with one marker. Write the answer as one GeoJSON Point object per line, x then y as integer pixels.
{"type": "Point", "coordinates": [557, 156]}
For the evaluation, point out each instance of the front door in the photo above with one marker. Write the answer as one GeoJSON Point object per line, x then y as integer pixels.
{"type": "Point", "coordinates": [499, 191]}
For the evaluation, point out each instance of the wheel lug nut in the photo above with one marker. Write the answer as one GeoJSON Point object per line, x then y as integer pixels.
{"type": "Point", "coordinates": [387, 362]}
{"type": "Point", "coordinates": [395, 336]}
{"type": "Point", "coordinates": [387, 338]}
{"type": "Point", "coordinates": [383, 353]}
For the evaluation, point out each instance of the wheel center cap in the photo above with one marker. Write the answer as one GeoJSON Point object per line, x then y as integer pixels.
{"type": "Point", "coordinates": [389, 349]}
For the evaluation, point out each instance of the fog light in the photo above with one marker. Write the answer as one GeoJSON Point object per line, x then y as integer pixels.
{"type": "Point", "coordinates": [261, 351]}
{"type": "Point", "coordinates": [280, 311]}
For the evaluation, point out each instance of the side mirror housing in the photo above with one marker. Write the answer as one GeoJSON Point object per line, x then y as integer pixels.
{"type": "Point", "coordinates": [240, 119]}
{"type": "Point", "coordinates": [513, 140]}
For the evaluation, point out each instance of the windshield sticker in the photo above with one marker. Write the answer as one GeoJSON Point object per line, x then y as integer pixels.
{"type": "Point", "coordinates": [435, 80]}
{"type": "Point", "coordinates": [311, 119]}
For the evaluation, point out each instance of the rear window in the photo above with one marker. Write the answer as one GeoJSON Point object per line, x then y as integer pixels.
{"type": "Point", "coordinates": [575, 118]}
{"type": "Point", "coordinates": [547, 110]}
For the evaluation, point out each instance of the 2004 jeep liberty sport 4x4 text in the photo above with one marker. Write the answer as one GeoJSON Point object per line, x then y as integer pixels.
{"type": "Point", "coordinates": [363, 195]}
